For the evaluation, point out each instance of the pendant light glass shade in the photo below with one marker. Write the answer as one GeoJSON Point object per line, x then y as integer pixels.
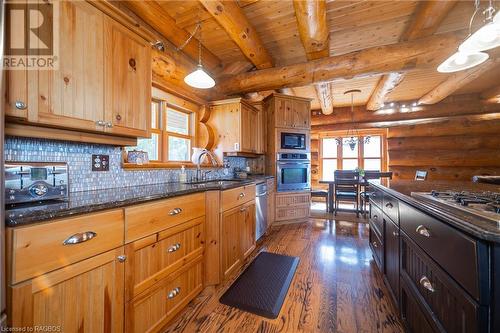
{"type": "Point", "coordinates": [485, 38]}
{"type": "Point", "coordinates": [199, 79]}
{"type": "Point", "coordinates": [462, 60]}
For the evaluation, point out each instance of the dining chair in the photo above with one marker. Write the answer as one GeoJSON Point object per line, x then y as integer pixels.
{"type": "Point", "coordinates": [365, 195]}
{"type": "Point", "coordinates": [346, 188]}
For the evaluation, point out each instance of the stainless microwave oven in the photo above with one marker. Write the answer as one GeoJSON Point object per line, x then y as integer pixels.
{"type": "Point", "coordinates": [294, 141]}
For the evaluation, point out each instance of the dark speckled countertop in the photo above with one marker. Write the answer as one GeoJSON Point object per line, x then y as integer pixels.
{"type": "Point", "coordinates": [91, 201]}
{"type": "Point", "coordinates": [481, 229]}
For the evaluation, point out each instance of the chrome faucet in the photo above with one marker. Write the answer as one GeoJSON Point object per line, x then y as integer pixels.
{"type": "Point", "coordinates": [208, 153]}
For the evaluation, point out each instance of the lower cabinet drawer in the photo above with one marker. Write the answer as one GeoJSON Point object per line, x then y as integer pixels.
{"type": "Point", "coordinates": [153, 258]}
{"type": "Point", "coordinates": [377, 219]}
{"type": "Point", "coordinates": [377, 247]}
{"type": "Point", "coordinates": [42, 248]}
{"type": "Point", "coordinates": [237, 196]}
{"type": "Point", "coordinates": [283, 214]}
{"type": "Point", "coordinates": [153, 309]}
{"type": "Point", "coordinates": [412, 312]}
{"type": "Point", "coordinates": [454, 309]}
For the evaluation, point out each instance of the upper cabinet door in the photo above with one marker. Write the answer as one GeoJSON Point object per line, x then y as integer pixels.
{"type": "Point", "coordinates": [73, 95]}
{"type": "Point", "coordinates": [128, 81]}
{"type": "Point", "coordinates": [249, 129]}
{"type": "Point", "coordinates": [301, 112]}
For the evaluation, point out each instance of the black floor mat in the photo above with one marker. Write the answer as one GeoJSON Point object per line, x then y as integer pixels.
{"type": "Point", "coordinates": [262, 287]}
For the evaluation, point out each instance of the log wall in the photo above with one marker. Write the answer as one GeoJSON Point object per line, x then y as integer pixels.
{"type": "Point", "coordinates": [461, 140]}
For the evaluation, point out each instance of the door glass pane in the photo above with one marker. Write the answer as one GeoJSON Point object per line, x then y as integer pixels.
{"type": "Point", "coordinates": [178, 149]}
{"type": "Point", "coordinates": [294, 175]}
{"type": "Point", "coordinates": [329, 167]}
{"type": "Point", "coordinates": [329, 147]}
{"type": "Point", "coordinates": [372, 164]}
{"type": "Point", "coordinates": [148, 145]}
{"type": "Point", "coordinates": [372, 148]}
{"type": "Point", "coordinates": [177, 122]}
{"type": "Point", "coordinates": [349, 164]}
{"type": "Point", "coordinates": [347, 151]}
{"type": "Point", "coordinates": [155, 109]}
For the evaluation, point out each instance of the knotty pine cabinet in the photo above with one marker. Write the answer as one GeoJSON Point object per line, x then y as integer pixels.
{"type": "Point", "coordinates": [82, 297]}
{"type": "Point", "coordinates": [236, 124]}
{"type": "Point", "coordinates": [288, 111]}
{"type": "Point", "coordinates": [102, 83]}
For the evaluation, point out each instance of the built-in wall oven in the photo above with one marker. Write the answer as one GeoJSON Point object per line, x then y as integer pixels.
{"type": "Point", "coordinates": [294, 141]}
{"type": "Point", "coordinates": [293, 171]}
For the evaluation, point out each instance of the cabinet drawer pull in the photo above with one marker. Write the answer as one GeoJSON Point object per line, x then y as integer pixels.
{"type": "Point", "coordinates": [100, 123]}
{"type": "Point", "coordinates": [241, 195]}
{"type": "Point", "coordinates": [175, 211]}
{"type": "Point", "coordinates": [174, 247]}
{"type": "Point", "coordinates": [375, 217]}
{"type": "Point", "coordinates": [109, 124]}
{"type": "Point", "coordinates": [79, 238]}
{"type": "Point", "coordinates": [389, 205]}
{"type": "Point", "coordinates": [122, 258]}
{"type": "Point", "coordinates": [174, 292]}
{"type": "Point", "coordinates": [242, 209]}
{"type": "Point", "coordinates": [426, 283]}
{"type": "Point", "coordinates": [20, 105]}
{"type": "Point", "coordinates": [375, 244]}
{"type": "Point", "coordinates": [395, 233]}
{"type": "Point", "coordinates": [423, 231]}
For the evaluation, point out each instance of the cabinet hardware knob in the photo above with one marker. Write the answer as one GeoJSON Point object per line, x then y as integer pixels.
{"type": "Point", "coordinates": [175, 211]}
{"type": "Point", "coordinates": [174, 247]}
{"type": "Point", "coordinates": [121, 258]}
{"type": "Point", "coordinates": [375, 244]}
{"type": "Point", "coordinates": [242, 209]}
{"type": "Point", "coordinates": [241, 195]}
{"type": "Point", "coordinates": [389, 205]}
{"type": "Point", "coordinates": [375, 217]}
{"type": "Point", "coordinates": [79, 238]}
{"type": "Point", "coordinates": [109, 124]}
{"type": "Point", "coordinates": [174, 292]}
{"type": "Point", "coordinates": [423, 231]}
{"type": "Point", "coordinates": [118, 117]}
{"type": "Point", "coordinates": [426, 283]}
{"type": "Point", "coordinates": [20, 105]}
{"type": "Point", "coordinates": [395, 233]}
{"type": "Point", "coordinates": [100, 123]}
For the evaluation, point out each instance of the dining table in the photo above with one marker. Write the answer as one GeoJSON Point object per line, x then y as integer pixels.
{"type": "Point", "coordinates": [331, 190]}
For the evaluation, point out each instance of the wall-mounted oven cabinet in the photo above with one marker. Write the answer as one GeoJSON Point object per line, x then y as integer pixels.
{"type": "Point", "coordinates": [293, 172]}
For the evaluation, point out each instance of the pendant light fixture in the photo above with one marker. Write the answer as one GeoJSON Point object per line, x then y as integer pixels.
{"type": "Point", "coordinates": [352, 134]}
{"type": "Point", "coordinates": [199, 78]}
{"type": "Point", "coordinates": [469, 52]}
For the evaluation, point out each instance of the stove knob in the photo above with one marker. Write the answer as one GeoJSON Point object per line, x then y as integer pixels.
{"type": "Point", "coordinates": [38, 190]}
{"type": "Point", "coordinates": [12, 197]}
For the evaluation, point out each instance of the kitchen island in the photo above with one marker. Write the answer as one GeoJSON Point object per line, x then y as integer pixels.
{"type": "Point", "coordinates": [442, 266]}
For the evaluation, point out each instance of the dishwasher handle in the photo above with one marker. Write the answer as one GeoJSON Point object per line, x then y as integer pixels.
{"type": "Point", "coordinates": [261, 194]}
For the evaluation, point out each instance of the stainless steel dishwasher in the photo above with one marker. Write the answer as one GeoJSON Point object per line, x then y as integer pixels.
{"type": "Point", "coordinates": [260, 210]}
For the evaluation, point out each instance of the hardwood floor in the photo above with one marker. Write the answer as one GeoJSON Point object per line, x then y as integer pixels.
{"type": "Point", "coordinates": [336, 288]}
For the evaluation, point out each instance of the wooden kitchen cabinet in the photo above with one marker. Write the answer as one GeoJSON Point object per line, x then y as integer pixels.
{"type": "Point", "coordinates": [391, 261]}
{"type": "Point", "coordinates": [288, 111]}
{"type": "Point", "coordinates": [84, 297]}
{"type": "Point", "coordinates": [231, 226]}
{"type": "Point", "coordinates": [127, 81]}
{"type": "Point", "coordinates": [95, 88]}
{"type": "Point", "coordinates": [248, 229]}
{"type": "Point", "coordinates": [236, 123]}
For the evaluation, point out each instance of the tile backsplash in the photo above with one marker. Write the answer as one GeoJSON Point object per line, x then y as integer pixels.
{"type": "Point", "coordinates": [79, 156]}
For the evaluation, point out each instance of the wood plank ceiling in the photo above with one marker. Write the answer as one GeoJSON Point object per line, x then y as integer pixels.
{"type": "Point", "coordinates": [353, 25]}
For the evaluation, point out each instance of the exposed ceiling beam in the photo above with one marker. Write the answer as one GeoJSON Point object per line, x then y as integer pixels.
{"type": "Point", "coordinates": [426, 20]}
{"type": "Point", "coordinates": [385, 85]}
{"type": "Point", "coordinates": [160, 20]}
{"type": "Point", "coordinates": [491, 95]}
{"type": "Point", "coordinates": [456, 81]}
{"type": "Point", "coordinates": [406, 56]}
{"type": "Point", "coordinates": [232, 19]}
{"type": "Point", "coordinates": [315, 37]}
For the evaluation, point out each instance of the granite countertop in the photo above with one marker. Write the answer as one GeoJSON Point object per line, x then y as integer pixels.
{"type": "Point", "coordinates": [481, 229]}
{"type": "Point", "coordinates": [91, 201]}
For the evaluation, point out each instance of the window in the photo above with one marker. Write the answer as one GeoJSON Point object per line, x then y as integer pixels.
{"type": "Point", "coordinates": [367, 156]}
{"type": "Point", "coordinates": [172, 132]}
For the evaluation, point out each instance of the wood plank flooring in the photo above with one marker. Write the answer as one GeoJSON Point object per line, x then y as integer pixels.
{"type": "Point", "coordinates": [336, 288]}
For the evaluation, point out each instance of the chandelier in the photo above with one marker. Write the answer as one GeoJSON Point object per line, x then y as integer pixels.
{"type": "Point", "coordinates": [470, 52]}
{"type": "Point", "coordinates": [353, 137]}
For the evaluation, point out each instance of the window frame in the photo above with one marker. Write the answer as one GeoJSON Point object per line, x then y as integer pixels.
{"type": "Point", "coordinates": [166, 134]}
{"type": "Point", "coordinates": [360, 158]}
